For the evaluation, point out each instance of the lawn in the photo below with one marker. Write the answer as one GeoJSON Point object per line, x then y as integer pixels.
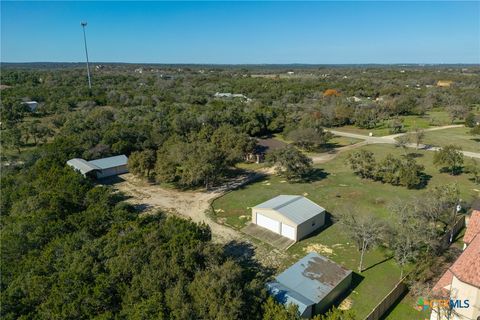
{"type": "Point", "coordinates": [340, 190]}
{"type": "Point", "coordinates": [431, 119]}
{"type": "Point", "coordinates": [456, 136]}
{"type": "Point", "coordinates": [404, 310]}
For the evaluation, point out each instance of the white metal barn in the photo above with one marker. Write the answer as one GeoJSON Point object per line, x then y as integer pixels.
{"type": "Point", "coordinates": [294, 217]}
{"type": "Point", "coordinates": [100, 168]}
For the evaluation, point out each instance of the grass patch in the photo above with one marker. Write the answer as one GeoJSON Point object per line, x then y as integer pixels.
{"type": "Point", "coordinates": [405, 310]}
{"type": "Point", "coordinates": [430, 119]}
{"type": "Point", "coordinates": [457, 136]}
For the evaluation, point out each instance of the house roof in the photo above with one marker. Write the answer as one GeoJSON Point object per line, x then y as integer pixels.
{"type": "Point", "coordinates": [310, 279]}
{"type": "Point", "coordinates": [110, 162]}
{"type": "Point", "coordinates": [442, 287]}
{"type": "Point", "coordinates": [466, 269]}
{"type": "Point", "coordinates": [473, 227]}
{"type": "Point", "coordinates": [467, 266]}
{"type": "Point", "coordinates": [298, 209]}
{"type": "Point", "coordinates": [82, 165]}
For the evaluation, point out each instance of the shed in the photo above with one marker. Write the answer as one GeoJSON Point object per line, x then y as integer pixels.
{"type": "Point", "coordinates": [100, 168]}
{"type": "Point", "coordinates": [294, 217]}
{"type": "Point", "coordinates": [32, 105]}
{"type": "Point", "coordinates": [313, 284]}
{"type": "Point", "coordinates": [83, 166]}
{"type": "Point", "coordinates": [111, 166]}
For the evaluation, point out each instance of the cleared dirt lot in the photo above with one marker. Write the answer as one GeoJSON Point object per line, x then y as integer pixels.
{"type": "Point", "coordinates": [188, 204]}
{"type": "Point", "coordinates": [195, 205]}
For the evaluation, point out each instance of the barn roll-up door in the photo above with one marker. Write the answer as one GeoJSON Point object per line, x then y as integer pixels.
{"type": "Point", "coordinates": [268, 223]}
{"type": "Point", "coordinates": [288, 231]}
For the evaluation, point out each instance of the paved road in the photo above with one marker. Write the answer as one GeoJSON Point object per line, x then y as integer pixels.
{"type": "Point", "coordinates": [391, 140]}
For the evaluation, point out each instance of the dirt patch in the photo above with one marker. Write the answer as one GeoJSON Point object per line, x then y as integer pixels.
{"type": "Point", "coordinates": [188, 204]}
{"type": "Point", "coordinates": [319, 248]}
{"type": "Point", "coordinates": [346, 304]}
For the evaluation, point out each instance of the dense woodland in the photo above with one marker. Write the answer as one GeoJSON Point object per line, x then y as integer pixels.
{"type": "Point", "coordinates": [73, 250]}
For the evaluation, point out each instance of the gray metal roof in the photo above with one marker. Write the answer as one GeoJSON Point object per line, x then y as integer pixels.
{"type": "Point", "coordinates": [312, 277]}
{"type": "Point", "coordinates": [110, 162]}
{"type": "Point", "coordinates": [82, 165]}
{"type": "Point", "coordinates": [286, 296]}
{"type": "Point", "coordinates": [296, 208]}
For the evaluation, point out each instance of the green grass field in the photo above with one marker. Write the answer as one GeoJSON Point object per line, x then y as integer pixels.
{"type": "Point", "coordinates": [431, 119]}
{"type": "Point", "coordinates": [456, 136]}
{"type": "Point", "coordinates": [341, 190]}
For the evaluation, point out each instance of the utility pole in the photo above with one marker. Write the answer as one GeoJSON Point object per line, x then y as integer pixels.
{"type": "Point", "coordinates": [84, 24]}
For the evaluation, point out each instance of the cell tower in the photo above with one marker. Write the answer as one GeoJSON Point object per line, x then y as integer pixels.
{"type": "Point", "coordinates": [84, 24]}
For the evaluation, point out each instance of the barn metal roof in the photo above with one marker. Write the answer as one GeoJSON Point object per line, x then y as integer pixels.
{"type": "Point", "coordinates": [296, 208]}
{"type": "Point", "coordinates": [286, 296]}
{"type": "Point", "coordinates": [82, 165]}
{"type": "Point", "coordinates": [311, 278]}
{"type": "Point", "coordinates": [110, 162]}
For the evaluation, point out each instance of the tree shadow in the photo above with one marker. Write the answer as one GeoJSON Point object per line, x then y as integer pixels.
{"type": "Point", "coordinates": [356, 280]}
{"type": "Point", "coordinates": [329, 221]}
{"type": "Point", "coordinates": [316, 174]}
{"type": "Point", "coordinates": [414, 155]}
{"type": "Point", "coordinates": [424, 180]}
{"type": "Point", "coordinates": [329, 147]}
{"type": "Point", "coordinates": [244, 254]}
{"type": "Point", "coordinates": [455, 172]}
{"type": "Point", "coordinates": [378, 263]}
{"type": "Point", "coordinates": [240, 181]}
{"type": "Point", "coordinates": [109, 181]}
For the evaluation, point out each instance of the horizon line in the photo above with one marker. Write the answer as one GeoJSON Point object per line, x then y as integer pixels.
{"type": "Point", "coordinates": [248, 64]}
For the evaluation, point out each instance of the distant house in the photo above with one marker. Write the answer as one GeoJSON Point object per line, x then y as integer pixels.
{"type": "Point", "coordinates": [263, 147]}
{"type": "Point", "coordinates": [294, 217]}
{"type": "Point", "coordinates": [462, 280]}
{"type": "Point", "coordinates": [100, 168]}
{"type": "Point", "coordinates": [231, 95]}
{"type": "Point", "coordinates": [32, 105]}
{"type": "Point", "coordinates": [312, 284]}
{"type": "Point", "coordinates": [355, 99]}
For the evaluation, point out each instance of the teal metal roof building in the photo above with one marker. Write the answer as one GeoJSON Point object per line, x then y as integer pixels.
{"type": "Point", "coordinates": [100, 168]}
{"type": "Point", "coordinates": [313, 284]}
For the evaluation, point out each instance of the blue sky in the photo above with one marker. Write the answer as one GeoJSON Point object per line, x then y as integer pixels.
{"type": "Point", "coordinates": [243, 32]}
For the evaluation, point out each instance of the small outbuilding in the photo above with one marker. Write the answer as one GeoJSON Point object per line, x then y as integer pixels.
{"type": "Point", "coordinates": [313, 284]}
{"type": "Point", "coordinates": [294, 217]}
{"type": "Point", "coordinates": [100, 168]}
{"type": "Point", "coordinates": [32, 105]}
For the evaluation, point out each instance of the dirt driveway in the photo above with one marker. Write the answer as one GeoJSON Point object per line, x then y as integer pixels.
{"type": "Point", "coordinates": [189, 204]}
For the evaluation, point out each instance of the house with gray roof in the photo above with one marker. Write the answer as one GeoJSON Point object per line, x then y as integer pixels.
{"type": "Point", "coordinates": [100, 168]}
{"type": "Point", "coordinates": [294, 217]}
{"type": "Point", "coordinates": [313, 284]}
